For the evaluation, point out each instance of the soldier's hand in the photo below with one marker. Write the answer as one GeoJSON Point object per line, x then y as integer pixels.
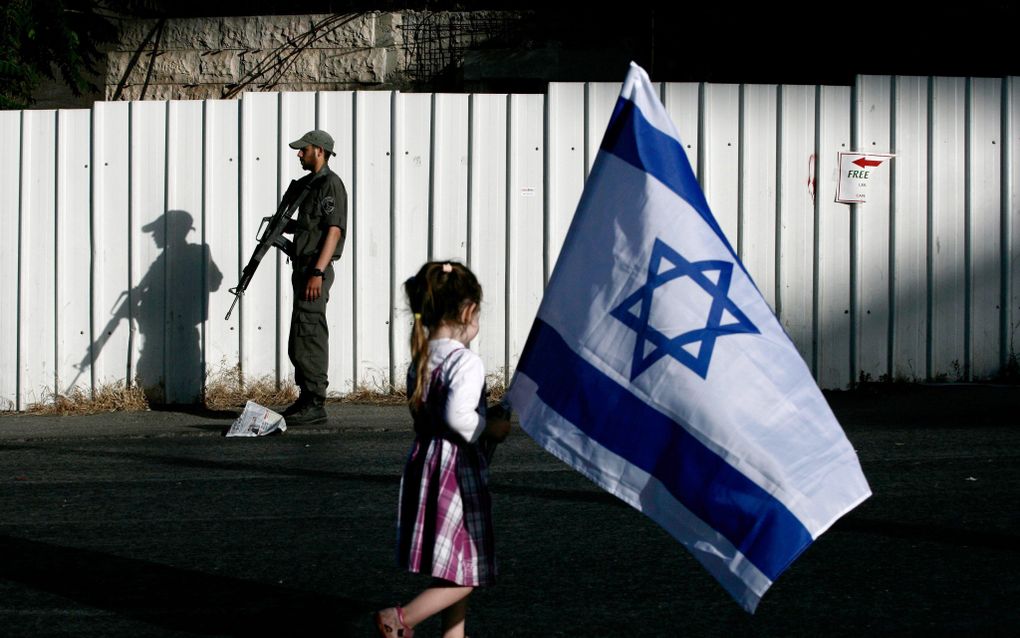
{"type": "Point", "coordinates": [313, 289]}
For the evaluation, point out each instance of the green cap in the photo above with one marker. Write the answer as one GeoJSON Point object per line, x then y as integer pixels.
{"type": "Point", "coordinates": [322, 139]}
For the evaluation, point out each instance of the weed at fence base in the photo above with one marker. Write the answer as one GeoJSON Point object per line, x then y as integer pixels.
{"type": "Point", "coordinates": [227, 388]}
{"type": "Point", "coordinates": [109, 397]}
{"type": "Point", "coordinates": [383, 393]}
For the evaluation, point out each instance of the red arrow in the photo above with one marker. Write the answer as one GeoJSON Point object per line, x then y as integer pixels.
{"type": "Point", "coordinates": [864, 163]}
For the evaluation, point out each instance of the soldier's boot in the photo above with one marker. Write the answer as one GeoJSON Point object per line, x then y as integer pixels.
{"type": "Point", "coordinates": [297, 406]}
{"type": "Point", "coordinates": [313, 412]}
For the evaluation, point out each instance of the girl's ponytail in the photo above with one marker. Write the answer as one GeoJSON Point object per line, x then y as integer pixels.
{"type": "Point", "coordinates": [420, 359]}
{"type": "Point", "coordinates": [436, 294]}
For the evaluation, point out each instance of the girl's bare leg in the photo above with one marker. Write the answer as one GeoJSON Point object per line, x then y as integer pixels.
{"type": "Point", "coordinates": [434, 600]}
{"type": "Point", "coordinates": [453, 619]}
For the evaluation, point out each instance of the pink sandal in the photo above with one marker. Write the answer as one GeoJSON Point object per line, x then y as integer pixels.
{"type": "Point", "coordinates": [390, 623]}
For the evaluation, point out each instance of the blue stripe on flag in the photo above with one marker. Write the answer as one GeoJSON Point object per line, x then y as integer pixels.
{"type": "Point", "coordinates": [634, 140]}
{"type": "Point", "coordinates": [758, 525]}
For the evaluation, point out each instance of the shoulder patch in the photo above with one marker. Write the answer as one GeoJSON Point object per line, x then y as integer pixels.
{"type": "Point", "coordinates": [327, 204]}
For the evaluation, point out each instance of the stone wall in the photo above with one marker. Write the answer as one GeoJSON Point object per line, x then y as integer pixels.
{"type": "Point", "coordinates": [200, 58]}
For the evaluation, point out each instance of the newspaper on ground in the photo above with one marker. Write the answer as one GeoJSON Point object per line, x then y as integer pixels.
{"type": "Point", "coordinates": [257, 420]}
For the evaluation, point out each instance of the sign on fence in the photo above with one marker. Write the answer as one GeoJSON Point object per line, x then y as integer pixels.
{"type": "Point", "coordinates": [856, 172]}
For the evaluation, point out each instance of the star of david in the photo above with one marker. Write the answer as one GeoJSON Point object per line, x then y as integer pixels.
{"type": "Point", "coordinates": [682, 346]}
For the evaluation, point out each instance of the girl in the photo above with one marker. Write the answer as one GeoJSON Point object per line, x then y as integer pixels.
{"type": "Point", "coordinates": [444, 520]}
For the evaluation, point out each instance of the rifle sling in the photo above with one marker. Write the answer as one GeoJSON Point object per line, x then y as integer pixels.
{"type": "Point", "coordinates": [304, 193]}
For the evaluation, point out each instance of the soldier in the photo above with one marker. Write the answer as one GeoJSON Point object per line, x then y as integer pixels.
{"type": "Point", "coordinates": [319, 229]}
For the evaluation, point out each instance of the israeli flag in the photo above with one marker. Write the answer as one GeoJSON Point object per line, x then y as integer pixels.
{"type": "Point", "coordinates": [656, 368]}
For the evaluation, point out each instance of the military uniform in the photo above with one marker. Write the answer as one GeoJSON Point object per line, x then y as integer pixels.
{"type": "Point", "coordinates": [308, 345]}
{"type": "Point", "coordinates": [323, 207]}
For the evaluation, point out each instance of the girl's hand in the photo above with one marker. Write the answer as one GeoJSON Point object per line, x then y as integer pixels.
{"type": "Point", "coordinates": [497, 423]}
{"type": "Point", "coordinates": [497, 428]}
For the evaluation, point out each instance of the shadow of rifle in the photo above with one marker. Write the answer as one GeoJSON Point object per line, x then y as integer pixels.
{"type": "Point", "coordinates": [121, 310]}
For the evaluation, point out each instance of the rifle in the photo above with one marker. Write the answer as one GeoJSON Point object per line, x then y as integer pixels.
{"type": "Point", "coordinates": [270, 234]}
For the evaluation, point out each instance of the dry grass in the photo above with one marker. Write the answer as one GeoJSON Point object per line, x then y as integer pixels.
{"type": "Point", "coordinates": [377, 391]}
{"type": "Point", "coordinates": [110, 397]}
{"type": "Point", "coordinates": [373, 396]}
{"type": "Point", "coordinates": [496, 384]}
{"type": "Point", "coordinates": [386, 394]}
{"type": "Point", "coordinates": [227, 388]}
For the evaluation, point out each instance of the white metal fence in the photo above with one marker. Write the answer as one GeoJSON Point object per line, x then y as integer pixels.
{"type": "Point", "coordinates": [102, 283]}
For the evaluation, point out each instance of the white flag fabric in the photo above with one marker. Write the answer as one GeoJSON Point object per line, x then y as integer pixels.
{"type": "Point", "coordinates": [656, 368]}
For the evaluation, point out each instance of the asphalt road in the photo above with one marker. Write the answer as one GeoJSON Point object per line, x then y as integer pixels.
{"type": "Point", "coordinates": [153, 524]}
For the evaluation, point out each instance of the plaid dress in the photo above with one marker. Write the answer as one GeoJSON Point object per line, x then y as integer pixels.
{"type": "Point", "coordinates": [444, 523]}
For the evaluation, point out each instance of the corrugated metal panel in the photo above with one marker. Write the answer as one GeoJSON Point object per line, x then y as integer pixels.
{"type": "Point", "coordinates": [1011, 215]}
{"type": "Point", "coordinates": [449, 204]}
{"type": "Point", "coordinates": [565, 156]}
{"type": "Point", "coordinates": [74, 199]}
{"type": "Point", "coordinates": [795, 294]}
{"type": "Point", "coordinates": [947, 243]}
{"type": "Point", "coordinates": [683, 103]}
{"type": "Point", "coordinates": [870, 234]}
{"type": "Point", "coordinates": [719, 159]}
{"type": "Point", "coordinates": [37, 244]}
{"type": "Point", "coordinates": [185, 255]}
{"type": "Point", "coordinates": [984, 207]}
{"type": "Point", "coordinates": [832, 261]}
{"type": "Point", "coordinates": [487, 253]}
{"type": "Point", "coordinates": [525, 218]}
{"type": "Point", "coordinates": [149, 254]}
{"type": "Point", "coordinates": [908, 210]}
{"type": "Point", "coordinates": [335, 112]}
{"type": "Point", "coordinates": [758, 173]}
{"type": "Point", "coordinates": [600, 99]}
{"type": "Point", "coordinates": [922, 281]}
{"type": "Point", "coordinates": [260, 307]}
{"type": "Point", "coordinates": [412, 194]}
{"type": "Point", "coordinates": [219, 233]}
{"type": "Point", "coordinates": [112, 332]}
{"type": "Point", "coordinates": [10, 252]}
{"type": "Point", "coordinates": [372, 237]}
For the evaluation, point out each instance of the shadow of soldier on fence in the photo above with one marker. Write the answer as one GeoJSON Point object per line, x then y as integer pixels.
{"type": "Point", "coordinates": [168, 306]}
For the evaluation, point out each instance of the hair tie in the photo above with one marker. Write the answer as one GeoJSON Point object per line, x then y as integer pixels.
{"type": "Point", "coordinates": [417, 316]}
{"type": "Point", "coordinates": [447, 267]}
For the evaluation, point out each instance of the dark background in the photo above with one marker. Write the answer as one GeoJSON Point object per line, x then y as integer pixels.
{"type": "Point", "coordinates": [711, 41]}
{"type": "Point", "coordinates": [716, 41]}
